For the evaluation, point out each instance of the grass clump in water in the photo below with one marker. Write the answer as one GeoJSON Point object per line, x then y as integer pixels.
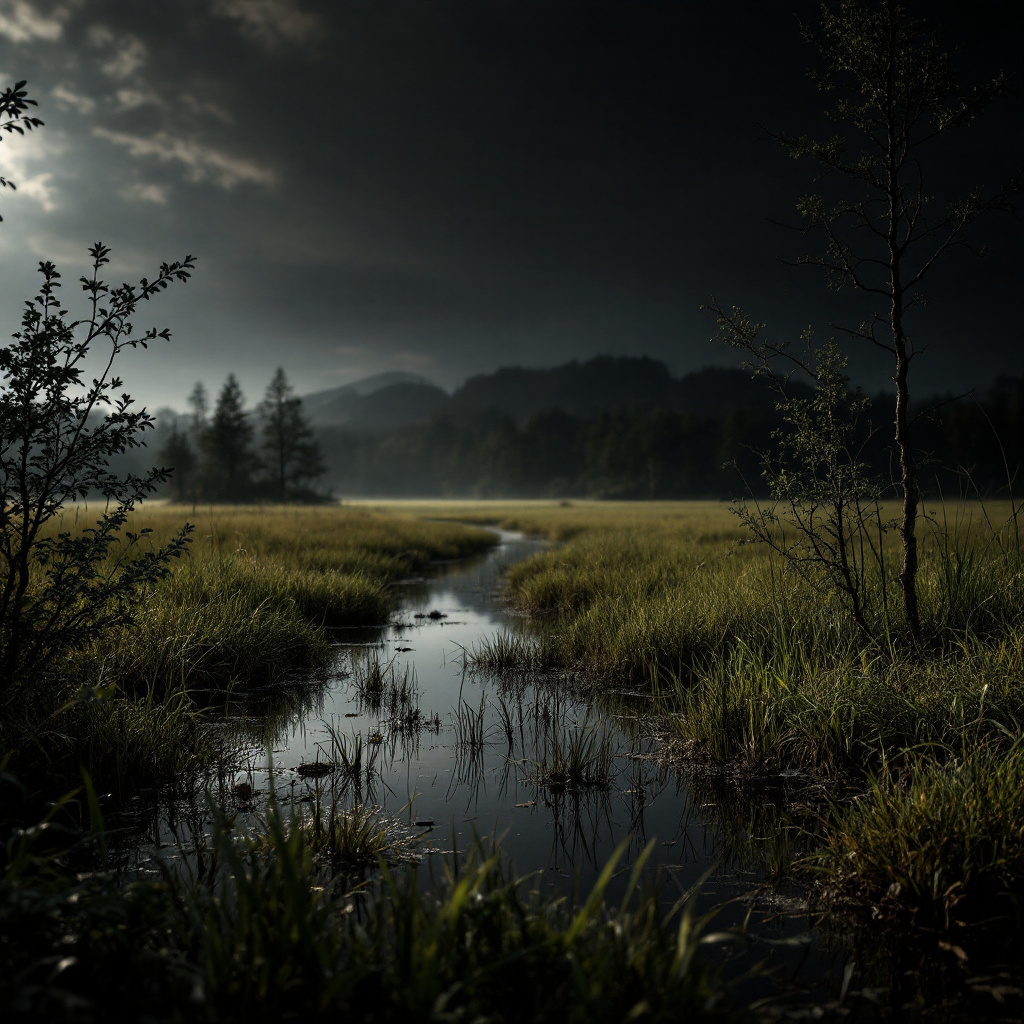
{"type": "Point", "coordinates": [947, 841]}
{"type": "Point", "coordinates": [350, 838]}
{"type": "Point", "coordinates": [507, 653]}
{"type": "Point", "coordinates": [575, 758]}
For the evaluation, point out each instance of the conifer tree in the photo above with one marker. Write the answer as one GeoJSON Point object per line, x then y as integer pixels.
{"type": "Point", "coordinates": [288, 450]}
{"type": "Point", "coordinates": [180, 458]}
{"type": "Point", "coordinates": [226, 444]}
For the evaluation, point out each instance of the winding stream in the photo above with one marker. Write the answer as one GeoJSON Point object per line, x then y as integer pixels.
{"type": "Point", "coordinates": [462, 753]}
{"type": "Point", "coordinates": [456, 756]}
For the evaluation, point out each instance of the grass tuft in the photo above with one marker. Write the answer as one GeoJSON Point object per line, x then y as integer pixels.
{"type": "Point", "coordinates": [947, 841]}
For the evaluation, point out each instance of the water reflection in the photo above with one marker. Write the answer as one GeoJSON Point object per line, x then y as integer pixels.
{"type": "Point", "coordinates": [460, 759]}
{"type": "Point", "coordinates": [399, 722]}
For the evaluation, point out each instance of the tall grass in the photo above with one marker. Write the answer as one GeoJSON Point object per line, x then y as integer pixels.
{"type": "Point", "coordinates": [505, 653]}
{"type": "Point", "coordinates": [750, 667]}
{"type": "Point", "coordinates": [945, 839]}
{"type": "Point", "coordinates": [250, 604]}
{"type": "Point", "coordinates": [264, 929]}
{"type": "Point", "coordinates": [575, 757]}
{"type": "Point", "coordinates": [346, 838]}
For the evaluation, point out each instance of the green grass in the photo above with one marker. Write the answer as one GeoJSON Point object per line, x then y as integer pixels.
{"type": "Point", "coordinates": [575, 757]}
{"type": "Point", "coordinates": [507, 653]}
{"type": "Point", "coordinates": [264, 929]}
{"type": "Point", "coordinates": [346, 839]}
{"type": "Point", "coordinates": [250, 604]}
{"type": "Point", "coordinates": [747, 667]}
{"type": "Point", "coordinates": [352, 760]}
{"type": "Point", "coordinates": [945, 840]}
{"type": "Point", "coordinates": [743, 666]}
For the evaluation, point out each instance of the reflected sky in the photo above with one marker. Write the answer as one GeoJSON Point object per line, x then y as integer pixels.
{"type": "Point", "coordinates": [462, 750]}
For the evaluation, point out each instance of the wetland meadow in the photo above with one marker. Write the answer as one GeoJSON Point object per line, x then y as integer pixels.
{"type": "Point", "coordinates": [521, 761]}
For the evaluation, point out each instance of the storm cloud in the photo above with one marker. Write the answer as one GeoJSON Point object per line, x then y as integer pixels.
{"type": "Point", "coordinates": [450, 187]}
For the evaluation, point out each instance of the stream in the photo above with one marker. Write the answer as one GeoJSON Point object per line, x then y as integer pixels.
{"type": "Point", "coordinates": [456, 757]}
{"type": "Point", "coordinates": [460, 749]}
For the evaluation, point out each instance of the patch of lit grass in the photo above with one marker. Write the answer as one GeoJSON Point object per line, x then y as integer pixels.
{"type": "Point", "coordinates": [946, 839]}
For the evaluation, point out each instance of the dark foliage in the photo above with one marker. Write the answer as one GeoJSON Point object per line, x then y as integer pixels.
{"type": "Point", "coordinates": [59, 431]}
{"type": "Point", "coordinates": [656, 453]}
{"type": "Point", "coordinates": [15, 118]}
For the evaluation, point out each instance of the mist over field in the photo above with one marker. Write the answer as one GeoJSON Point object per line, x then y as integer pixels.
{"type": "Point", "coordinates": [605, 428]}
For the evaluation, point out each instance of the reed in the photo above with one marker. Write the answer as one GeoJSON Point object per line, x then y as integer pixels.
{"type": "Point", "coordinates": [264, 928]}
{"type": "Point", "coordinates": [469, 723]}
{"type": "Point", "coordinates": [575, 757]}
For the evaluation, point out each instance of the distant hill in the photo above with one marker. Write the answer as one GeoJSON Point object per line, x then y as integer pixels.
{"type": "Point", "coordinates": [374, 403]}
{"type": "Point", "coordinates": [602, 384]}
{"type": "Point", "coordinates": [582, 389]}
{"type": "Point", "coordinates": [608, 383]}
{"type": "Point", "coordinates": [397, 406]}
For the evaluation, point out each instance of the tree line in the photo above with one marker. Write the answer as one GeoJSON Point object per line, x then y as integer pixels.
{"type": "Point", "coordinates": [970, 447]}
{"type": "Point", "coordinates": [228, 454]}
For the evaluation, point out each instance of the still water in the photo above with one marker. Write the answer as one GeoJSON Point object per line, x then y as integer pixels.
{"type": "Point", "coordinates": [459, 755]}
{"type": "Point", "coordinates": [454, 757]}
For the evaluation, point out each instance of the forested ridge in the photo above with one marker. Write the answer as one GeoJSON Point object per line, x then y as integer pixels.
{"type": "Point", "coordinates": [612, 427]}
{"type": "Point", "coordinates": [656, 453]}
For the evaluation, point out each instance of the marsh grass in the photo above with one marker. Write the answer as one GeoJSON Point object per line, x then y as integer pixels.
{"type": "Point", "coordinates": [371, 677]}
{"type": "Point", "coordinates": [945, 839]}
{"type": "Point", "coordinates": [251, 602]}
{"type": "Point", "coordinates": [465, 944]}
{"type": "Point", "coordinates": [349, 838]}
{"type": "Point", "coordinates": [249, 606]}
{"type": "Point", "coordinates": [470, 726]}
{"type": "Point", "coordinates": [505, 653]}
{"type": "Point", "coordinates": [265, 927]}
{"type": "Point", "coordinates": [383, 687]}
{"type": "Point", "coordinates": [128, 743]}
{"type": "Point", "coordinates": [351, 758]}
{"type": "Point", "coordinates": [510, 718]}
{"type": "Point", "coordinates": [758, 672]}
{"type": "Point", "coordinates": [575, 757]}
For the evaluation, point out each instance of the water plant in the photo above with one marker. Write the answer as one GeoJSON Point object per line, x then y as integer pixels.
{"type": "Point", "coordinates": [353, 759]}
{"type": "Point", "coordinates": [575, 757]}
{"type": "Point", "coordinates": [470, 727]}
{"type": "Point", "coordinates": [507, 652]}
{"type": "Point", "coordinates": [347, 838]}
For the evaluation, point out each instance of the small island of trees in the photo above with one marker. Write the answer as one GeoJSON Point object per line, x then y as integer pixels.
{"type": "Point", "coordinates": [230, 455]}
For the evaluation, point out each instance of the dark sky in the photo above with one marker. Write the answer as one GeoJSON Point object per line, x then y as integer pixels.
{"type": "Point", "coordinates": [447, 188]}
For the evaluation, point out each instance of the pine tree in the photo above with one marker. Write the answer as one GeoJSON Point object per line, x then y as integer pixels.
{"type": "Point", "coordinates": [200, 406]}
{"type": "Point", "coordinates": [226, 444]}
{"type": "Point", "coordinates": [180, 457]}
{"type": "Point", "coordinates": [289, 452]}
